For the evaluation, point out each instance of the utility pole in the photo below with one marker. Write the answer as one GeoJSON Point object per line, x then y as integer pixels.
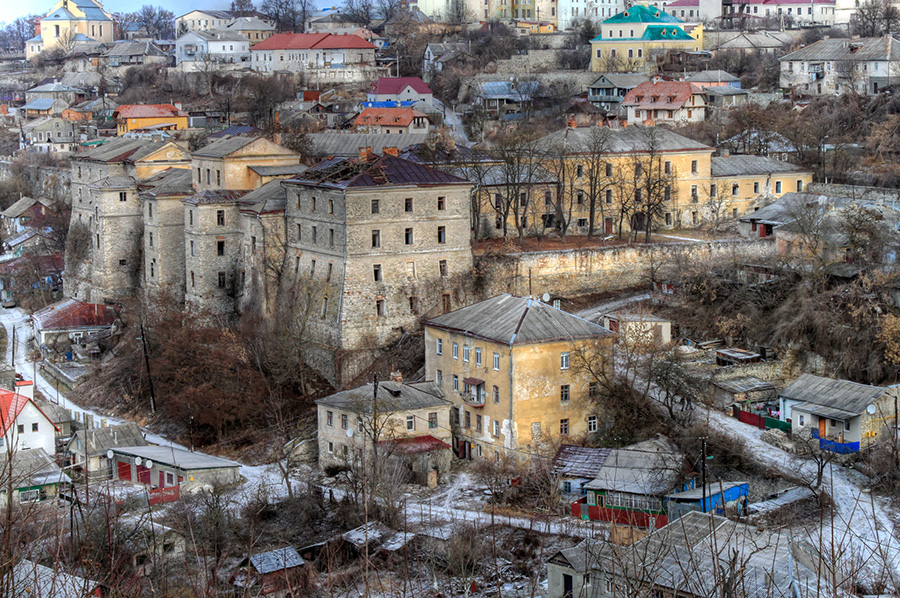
{"type": "Point", "coordinates": [149, 376]}
{"type": "Point", "coordinates": [14, 348]}
{"type": "Point", "coordinates": [703, 473]}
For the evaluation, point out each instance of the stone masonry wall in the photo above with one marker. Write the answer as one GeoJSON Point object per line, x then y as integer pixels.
{"type": "Point", "coordinates": [593, 270]}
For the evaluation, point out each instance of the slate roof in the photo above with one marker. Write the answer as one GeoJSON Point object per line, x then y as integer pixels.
{"type": "Point", "coordinates": [280, 170]}
{"type": "Point", "coordinates": [837, 49]}
{"type": "Point", "coordinates": [32, 467]}
{"type": "Point", "coordinates": [37, 581]}
{"type": "Point", "coordinates": [54, 87]}
{"type": "Point", "coordinates": [97, 105]}
{"type": "Point", "coordinates": [97, 441]}
{"type": "Point", "coordinates": [501, 175]}
{"type": "Point", "coordinates": [175, 457]}
{"type": "Point", "coordinates": [249, 24]}
{"type": "Point", "coordinates": [765, 39]}
{"type": "Point", "coordinates": [213, 197]}
{"type": "Point", "coordinates": [640, 13]}
{"type": "Point", "coordinates": [394, 85]}
{"type": "Point", "coordinates": [740, 165]}
{"type": "Point", "coordinates": [383, 171]}
{"type": "Point", "coordinates": [270, 198]}
{"type": "Point", "coordinates": [579, 461]}
{"type": "Point", "coordinates": [224, 146]}
{"type": "Point", "coordinates": [236, 130]}
{"type": "Point", "coordinates": [23, 204]}
{"type": "Point", "coordinates": [827, 397]}
{"type": "Point", "coordinates": [74, 314]}
{"type": "Point", "coordinates": [441, 154]}
{"type": "Point", "coordinates": [713, 76]}
{"type": "Point", "coordinates": [620, 80]}
{"type": "Point", "coordinates": [348, 144]}
{"type": "Point", "coordinates": [276, 560]}
{"type": "Point", "coordinates": [649, 468]}
{"type": "Point", "coordinates": [510, 320]}
{"type": "Point", "coordinates": [218, 35]}
{"type": "Point", "coordinates": [392, 396]}
{"type": "Point", "coordinates": [172, 181]}
{"type": "Point", "coordinates": [134, 49]}
{"type": "Point", "coordinates": [634, 138]}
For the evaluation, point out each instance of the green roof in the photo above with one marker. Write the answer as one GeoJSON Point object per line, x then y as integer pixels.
{"type": "Point", "coordinates": [653, 33]}
{"type": "Point", "coordinates": [642, 14]}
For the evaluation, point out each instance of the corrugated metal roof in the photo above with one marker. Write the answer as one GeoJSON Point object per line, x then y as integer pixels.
{"type": "Point", "coordinates": [224, 147]}
{"type": "Point", "coordinates": [740, 165]}
{"type": "Point", "coordinates": [72, 314]}
{"type": "Point", "coordinates": [640, 13]}
{"type": "Point", "coordinates": [271, 197]}
{"type": "Point", "coordinates": [631, 139]}
{"type": "Point", "coordinates": [650, 468]}
{"type": "Point", "coordinates": [383, 171]}
{"type": "Point", "coordinates": [172, 181]}
{"type": "Point", "coordinates": [579, 461]}
{"type": "Point", "coordinates": [97, 441]}
{"type": "Point", "coordinates": [510, 320]}
{"type": "Point", "coordinates": [23, 203]}
{"type": "Point", "coordinates": [276, 560]}
{"type": "Point", "coordinates": [280, 170]}
{"type": "Point", "coordinates": [620, 80]}
{"type": "Point", "coordinates": [392, 396]}
{"type": "Point", "coordinates": [43, 104]}
{"type": "Point", "coordinates": [842, 396]}
{"type": "Point", "coordinates": [860, 49]}
{"type": "Point", "coordinates": [175, 457]}
{"type": "Point", "coordinates": [348, 144]}
{"type": "Point", "coordinates": [713, 76]}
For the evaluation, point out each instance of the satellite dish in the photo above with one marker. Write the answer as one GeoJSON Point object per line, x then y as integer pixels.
{"type": "Point", "coordinates": [349, 432]}
{"type": "Point", "coordinates": [148, 464]}
{"type": "Point", "coordinates": [138, 461]}
{"type": "Point", "coordinates": [545, 297]}
{"type": "Point", "coordinates": [870, 409]}
{"type": "Point", "coordinates": [109, 454]}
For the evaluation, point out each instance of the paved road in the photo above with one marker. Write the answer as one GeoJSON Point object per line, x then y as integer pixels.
{"type": "Point", "coordinates": [453, 120]}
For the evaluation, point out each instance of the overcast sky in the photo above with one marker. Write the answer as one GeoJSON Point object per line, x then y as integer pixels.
{"type": "Point", "coordinates": [12, 9]}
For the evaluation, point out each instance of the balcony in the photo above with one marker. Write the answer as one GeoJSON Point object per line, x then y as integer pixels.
{"type": "Point", "coordinates": [474, 392]}
{"type": "Point", "coordinates": [599, 97]}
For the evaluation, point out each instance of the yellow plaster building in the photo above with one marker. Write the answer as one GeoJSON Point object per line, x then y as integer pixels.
{"type": "Point", "coordinates": [629, 40]}
{"type": "Point", "coordinates": [68, 22]}
{"type": "Point", "coordinates": [161, 117]}
{"type": "Point", "coordinates": [508, 364]}
{"type": "Point", "coordinates": [737, 182]}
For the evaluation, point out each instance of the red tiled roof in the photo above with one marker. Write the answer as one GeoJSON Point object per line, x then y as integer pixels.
{"type": "Point", "coordinates": [394, 85]}
{"type": "Point", "coordinates": [147, 111]}
{"type": "Point", "coordinates": [11, 405]}
{"type": "Point", "coordinates": [306, 41]}
{"type": "Point", "coordinates": [415, 444]}
{"type": "Point", "coordinates": [664, 95]}
{"type": "Point", "coordinates": [72, 313]}
{"type": "Point", "coordinates": [398, 117]}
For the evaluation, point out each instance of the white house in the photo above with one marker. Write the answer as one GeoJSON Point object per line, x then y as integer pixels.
{"type": "Point", "coordinates": [306, 51]}
{"type": "Point", "coordinates": [573, 12]}
{"type": "Point", "coordinates": [217, 45]}
{"type": "Point", "coordinates": [24, 424]}
{"type": "Point", "coordinates": [400, 89]}
{"type": "Point", "coordinates": [865, 65]}
{"type": "Point", "coordinates": [813, 12]}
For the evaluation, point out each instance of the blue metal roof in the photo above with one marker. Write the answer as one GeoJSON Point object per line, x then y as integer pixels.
{"type": "Point", "coordinates": [386, 104]}
{"type": "Point", "coordinates": [40, 104]}
{"type": "Point", "coordinates": [60, 14]}
{"type": "Point", "coordinates": [95, 14]}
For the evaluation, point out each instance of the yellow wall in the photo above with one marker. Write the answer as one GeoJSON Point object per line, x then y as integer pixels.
{"type": "Point", "coordinates": [641, 51]}
{"type": "Point", "coordinates": [129, 124]}
{"type": "Point", "coordinates": [751, 187]}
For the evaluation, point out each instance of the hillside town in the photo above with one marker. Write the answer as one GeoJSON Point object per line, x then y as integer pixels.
{"type": "Point", "coordinates": [450, 298]}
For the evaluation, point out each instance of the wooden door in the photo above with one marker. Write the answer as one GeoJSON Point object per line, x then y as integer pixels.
{"type": "Point", "coordinates": [608, 226]}
{"type": "Point", "coordinates": [143, 475]}
{"type": "Point", "coordinates": [124, 471]}
{"type": "Point", "coordinates": [162, 480]}
{"type": "Point", "coordinates": [567, 586]}
{"type": "Point", "coordinates": [821, 427]}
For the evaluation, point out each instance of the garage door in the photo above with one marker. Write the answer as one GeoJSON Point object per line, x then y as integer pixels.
{"type": "Point", "coordinates": [124, 471]}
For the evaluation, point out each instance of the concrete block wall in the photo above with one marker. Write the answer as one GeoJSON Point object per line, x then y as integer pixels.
{"type": "Point", "coordinates": [202, 262]}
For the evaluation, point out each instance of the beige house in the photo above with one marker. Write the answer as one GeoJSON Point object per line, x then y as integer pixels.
{"type": "Point", "coordinates": [510, 366]}
{"type": "Point", "coordinates": [89, 448]}
{"type": "Point", "coordinates": [739, 183]}
{"type": "Point", "coordinates": [641, 327]}
{"type": "Point", "coordinates": [408, 419]}
{"type": "Point", "coordinates": [70, 21]}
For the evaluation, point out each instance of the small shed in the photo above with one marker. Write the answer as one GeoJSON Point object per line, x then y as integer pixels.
{"type": "Point", "coordinates": [721, 498]}
{"type": "Point", "coordinates": [275, 574]}
{"type": "Point", "coordinates": [163, 468]}
{"type": "Point", "coordinates": [735, 356]}
{"type": "Point", "coordinates": [744, 390]}
{"type": "Point", "coordinates": [575, 466]}
{"type": "Point", "coordinates": [640, 326]}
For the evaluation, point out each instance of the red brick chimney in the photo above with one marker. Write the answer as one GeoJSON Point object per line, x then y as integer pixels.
{"type": "Point", "coordinates": [391, 151]}
{"type": "Point", "coordinates": [397, 376]}
{"type": "Point", "coordinates": [364, 153]}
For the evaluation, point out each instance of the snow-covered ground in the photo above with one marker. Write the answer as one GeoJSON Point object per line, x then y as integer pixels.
{"type": "Point", "coordinates": [454, 121]}
{"type": "Point", "coordinates": [595, 311]}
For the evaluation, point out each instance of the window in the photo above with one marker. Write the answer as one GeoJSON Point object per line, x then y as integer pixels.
{"type": "Point", "coordinates": [192, 278]}
{"type": "Point", "coordinates": [376, 206]}
{"type": "Point", "coordinates": [220, 217]}
{"type": "Point", "coordinates": [313, 202]}
{"type": "Point", "coordinates": [496, 362]}
{"type": "Point", "coordinates": [331, 206]}
{"type": "Point", "coordinates": [315, 235]}
{"type": "Point", "coordinates": [609, 197]}
{"type": "Point", "coordinates": [151, 239]}
{"type": "Point", "coordinates": [564, 393]}
{"type": "Point", "coordinates": [331, 237]}
{"type": "Point", "coordinates": [579, 170]}
{"type": "Point", "coordinates": [432, 420]}
{"type": "Point", "coordinates": [379, 307]}
{"type": "Point", "coordinates": [376, 238]}
{"type": "Point", "coordinates": [735, 189]}
{"type": "Point", "coordinates": [713, 190]}
{"type": "Point", "coordinates": [496, 394]}
{"type": "Point", "coordinates": [564, 426]}
{"type": "Point", "coordinates": [220, 247]}
{"type": "Point", "coordinates": [799, 186]}
{"type": "Point", "coordinates": [465, 353]}
{"type": "Point", "coordinates": [693, 167]}
{"type": "Point", "coordinates": [34, 427]}
{"type": "Point", "coordinates": [756, 186]}
{"type": "Point", "coordinates": [564, 360]}
{"type": "Point", "coordinates": [667, 167]}
{"type": "Point", "coordinates": [440, 346]}
{"type": "Point", "coordinates": [536, 430]}
{"type": "Point", "coordinates": [221, 277]}
{"type": "Point", "coordinates": [592, 423]}
{"type": "Point", "coordinates": [442, 265]}
{"type": "Point", "coordinates": [609, 169]}
{"type": "Point", "coordinates": [442, 202]}
{"type": "Point", "coordinates": [376, 272]}
{"type": "Point", "coordinates": [408, 205]}
{"type": "Point", "coordinates": [455, 350]}
{"type": "Point", "coordinates": [329, 418]}
{"type": "Point", "coordinates": [328, 273]}
{"type": "Point", "coordinates": [695, 195]}
{"type": "Point", "coordinates": [667, 194]}
{"type": "Point", "coordinates": [410, 422]}
{"type": "Point", "coordinates": [440, 378]}
{"type": "Point", "coordinates": [219, 178]}
{"type": "Point", "coordinates": [479, 426]}
{"type": "Point", "coordinates": [123, 196]}
{"type": "Point", "coordinates": [802, 418]}
{"type": "Point", "coordinates": [324, 306]}
{"type": "Point", "coordinates": [496, 428]}
{"type": "Point", "coordinates": [846, 427]}
{"type": "Point", "coordinates": [312, 267]}
{"type": "Point", "coordinates": [777, 186]}
{"type": "Point", "coordinates": [344, 424]}
{"type": "Point", "coordinates": [408, 236]}
{"type": "Point", "coordinates": [413, 305]}
{"type": "Point", "coordinates": [455, 382]}
{"type": "Point", "coordinates": [468, 419]}
{"type": "Point", "coordinates": [442, 234]}
{"type": "Point", "coordinates": [638, 170]}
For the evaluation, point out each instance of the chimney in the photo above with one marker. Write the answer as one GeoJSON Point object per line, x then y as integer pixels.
{"type": "Point", "coordinates": [570, 122]}
{"type": "Point", "coordinates": [177, 105]}
{"type": "Point", "coordinates": [397, 377]}
{"type": "Point", "coordinates": [364, 153]}
{"type": "Point", "coordinates": [726, 152]}
{"type": "Point", "coordinates": [277, 136]}
{"type": "Point", "coordinates": [624, 123]}
{"type": "Point", "coordinates": [25, 388]}
{"type": "Point", "coordinates": [390, 151]}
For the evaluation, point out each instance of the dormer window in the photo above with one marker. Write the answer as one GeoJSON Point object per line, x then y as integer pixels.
{"type": "Point", "coordinates": [671, 99]}
{"type": "Point", "coordinates": [654, 98]}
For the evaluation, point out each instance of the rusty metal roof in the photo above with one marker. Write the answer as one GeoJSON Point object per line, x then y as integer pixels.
{"type": "Point", "coordinates": [383, 171]}
{"type": "Point", "coordinates": [579, 461]}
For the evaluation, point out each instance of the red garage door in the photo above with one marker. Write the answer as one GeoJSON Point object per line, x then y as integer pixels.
{"type": "Point", "coordinates": [124, 471]}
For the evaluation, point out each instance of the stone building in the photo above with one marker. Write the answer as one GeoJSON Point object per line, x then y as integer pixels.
{"type": "Point", "coordinates": [106, 227]}
{"type": "Point", "coordinates": [163, 242]}
{"type": "Point", "coordinates": [374, 243]}
{"type": "Point", "coordinates": [509, 365]}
